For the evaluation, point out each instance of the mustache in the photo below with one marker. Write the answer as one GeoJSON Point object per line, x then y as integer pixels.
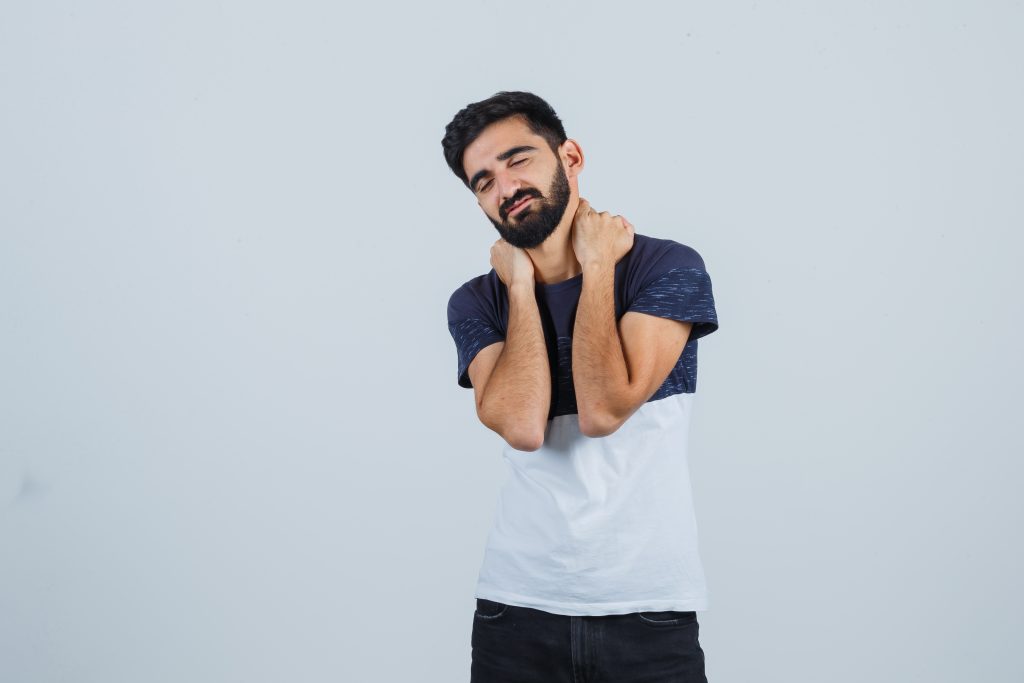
{"type": "Point", "coordinates": [516, 199]}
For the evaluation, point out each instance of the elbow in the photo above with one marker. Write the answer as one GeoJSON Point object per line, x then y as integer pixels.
{"type": "Point", "coordinates": [596, 425]}
{"type": "Point", "coordinates": [526, 440]}
{"type": "Point", "coordinates": [523, 435]}
{"type": "Point", "coordinates": [526, 435]}
{"type": "Point", "coordinates": [517, 434]}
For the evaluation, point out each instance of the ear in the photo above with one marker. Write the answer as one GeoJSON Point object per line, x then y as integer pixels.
{"type": "Point", "coordinates": [572, 157]}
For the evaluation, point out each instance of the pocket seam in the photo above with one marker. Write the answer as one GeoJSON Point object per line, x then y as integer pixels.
{"type": "Point", "coordinates": [490, 616]}
{"type": "Point", "coordinates": [677, 620]}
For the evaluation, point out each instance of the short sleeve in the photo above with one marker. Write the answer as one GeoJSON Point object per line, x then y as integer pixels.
{"type": "Point", "coordinates": [678, 286]}
{"type": "Point", "coordinates": [473, 326]}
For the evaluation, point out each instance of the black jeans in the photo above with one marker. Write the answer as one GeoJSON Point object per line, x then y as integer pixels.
{"type": "Point", "coordinates": [513, 644]}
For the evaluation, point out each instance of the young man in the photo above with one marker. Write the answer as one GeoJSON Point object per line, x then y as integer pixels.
{"type": "Point", "coordinates": [581, 347]}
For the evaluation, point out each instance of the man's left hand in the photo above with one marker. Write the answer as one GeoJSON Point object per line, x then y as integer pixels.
{"type": "Point", "coordinates": [599, 237]}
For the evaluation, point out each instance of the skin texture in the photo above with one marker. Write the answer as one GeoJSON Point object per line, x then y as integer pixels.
{"type": "Point", "coordinates": [617, 365]}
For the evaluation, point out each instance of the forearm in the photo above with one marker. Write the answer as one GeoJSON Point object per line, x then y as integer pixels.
{"type": "Point", "coordinates": [517, 398]}
{"type": "Point", "coordinates": [599, 371]}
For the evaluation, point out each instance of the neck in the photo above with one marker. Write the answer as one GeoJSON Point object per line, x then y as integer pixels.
{"type": "Point", "coordinates": [555, 260]}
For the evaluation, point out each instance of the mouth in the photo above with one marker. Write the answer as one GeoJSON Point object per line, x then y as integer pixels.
{"type": "Point", "coordinates": [519, 205]}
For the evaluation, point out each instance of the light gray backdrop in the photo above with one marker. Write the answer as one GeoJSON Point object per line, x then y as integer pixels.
{"type": "Point", "coordinates": [232, 447]}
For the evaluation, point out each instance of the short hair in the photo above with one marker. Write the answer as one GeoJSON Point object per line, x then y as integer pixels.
{"type": "Point", "coordinates": [473, 118]}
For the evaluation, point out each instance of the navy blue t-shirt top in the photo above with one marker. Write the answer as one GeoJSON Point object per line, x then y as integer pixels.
{"type": "Point", "coordinates": [657, 276]}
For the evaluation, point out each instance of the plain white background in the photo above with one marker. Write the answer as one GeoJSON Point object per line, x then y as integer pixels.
{"type": "Point", "coordinates": [232, 447]}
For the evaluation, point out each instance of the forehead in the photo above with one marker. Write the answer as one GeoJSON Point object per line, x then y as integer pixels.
{"type": "Point", "coordinates": [495, 139]}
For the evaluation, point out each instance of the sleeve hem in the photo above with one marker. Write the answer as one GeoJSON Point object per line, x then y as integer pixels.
{"type": "Point", "coordinates": [463, 374]}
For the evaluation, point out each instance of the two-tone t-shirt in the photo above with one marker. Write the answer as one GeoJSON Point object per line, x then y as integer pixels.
{"type": "Point", "coordinates": [598, 525]}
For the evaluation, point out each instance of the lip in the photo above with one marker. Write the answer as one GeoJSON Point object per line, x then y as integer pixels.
{"type": "Point", "coordinates": [515, 209]}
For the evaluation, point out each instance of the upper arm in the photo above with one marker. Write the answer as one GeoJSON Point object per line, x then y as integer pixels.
{"type": "Point", "coordinates": [651, 347]}
{"type": "Point", "coordinates": [481, 367]}
{"type": "Point", "coordinates": [475, 324]}
{"type": "Point", "coordinates": [672, 305]}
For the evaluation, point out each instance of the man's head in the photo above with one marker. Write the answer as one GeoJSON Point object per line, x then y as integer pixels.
{"type": "Point", "coordinates": [509, 148]}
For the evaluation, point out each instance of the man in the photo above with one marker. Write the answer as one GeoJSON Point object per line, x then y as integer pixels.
{"type": "Point", "coordinates": [581, 347]}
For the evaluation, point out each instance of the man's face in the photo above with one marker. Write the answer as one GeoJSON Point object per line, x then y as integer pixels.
{"type": "Point", "coordinates": [506, 164]}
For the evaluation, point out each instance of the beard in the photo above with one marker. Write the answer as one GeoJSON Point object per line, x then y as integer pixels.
{"type": "Point", "coordinates": [534, 223]}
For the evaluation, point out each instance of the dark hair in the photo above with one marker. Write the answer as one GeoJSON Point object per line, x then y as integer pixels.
{"type": "Point", "coordinates": [473, 118]}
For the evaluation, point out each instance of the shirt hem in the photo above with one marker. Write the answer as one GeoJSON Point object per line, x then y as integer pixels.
{"type": "Point", "coordinates": [697, 603]}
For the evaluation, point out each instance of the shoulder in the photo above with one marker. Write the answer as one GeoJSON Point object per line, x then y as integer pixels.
{"type": "Point", "coordinates": [476, 297]}
{"type": "Point", "coordinates": [660, 255]}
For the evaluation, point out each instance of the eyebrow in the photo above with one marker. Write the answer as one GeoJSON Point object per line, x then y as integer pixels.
{"type": "Point", "coordinates": [501, 157]}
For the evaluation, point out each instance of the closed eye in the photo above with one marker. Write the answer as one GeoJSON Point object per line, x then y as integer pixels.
{"type": "Point", "coordinates": [488, 183]}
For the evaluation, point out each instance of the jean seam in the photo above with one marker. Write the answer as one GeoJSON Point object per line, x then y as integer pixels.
{"type": "Point", "coordinates": [678, 620]}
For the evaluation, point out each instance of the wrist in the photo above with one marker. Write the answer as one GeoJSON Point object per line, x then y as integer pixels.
{"type": "Point", "coordinates": [597, 266]}
{"type": "Point", "coordinates": [522, 286]}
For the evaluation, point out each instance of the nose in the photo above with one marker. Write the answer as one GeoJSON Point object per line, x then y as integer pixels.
{"type": "Point", "coordinates": [508, 187]}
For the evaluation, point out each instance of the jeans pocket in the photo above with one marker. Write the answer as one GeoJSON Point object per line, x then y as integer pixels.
{"type": "Point", "coordinates": [668, 617]}
{"type": "Point", "coordinates": [489, 609]}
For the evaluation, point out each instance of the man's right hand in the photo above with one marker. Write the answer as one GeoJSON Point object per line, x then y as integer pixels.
{"type": "Point", "coordinates": [512, 264]}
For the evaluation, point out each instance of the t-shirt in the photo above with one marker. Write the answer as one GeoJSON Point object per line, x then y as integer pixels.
{"type": "Point", "coordinates": [597, 525]}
